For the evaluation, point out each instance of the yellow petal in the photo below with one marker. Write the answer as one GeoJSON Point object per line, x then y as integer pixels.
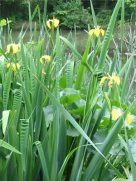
{"type": "Point", "coordinates": [129, 118]}
{"type": "Point", "coordinates": [18, 66]}
{"type": "Point", "coordinates": [8, 65]}
{"type": "Point", "coordinates": [110, 83]}
{"type": "Point", "coordinates": [116, 79]}
{"type": "Point", "coordinates": [13, 66]}
{"type": "Point", "coordinates": [55, 22]}
{"type": "Point", "coordinates": [97, 32]}
{"type": "Point", "coordinates": [103, 79]}
{"type": "Point", "coordinates": [115, 114]}
{"type": "Point", "coordinates": [8, 48]}
{"type": "Point", "coordinates": [52, 23]}
{"type": "Point", "coordinates": [47, 58]}
{"type": "Point", "coordinates": [102, 32]}
{"type": "Point", "coordinates": [49, 22]}
{"type": "Point", "coordinates": [41, 60]}
{"type": "Point", "coordinates": [13, 48]}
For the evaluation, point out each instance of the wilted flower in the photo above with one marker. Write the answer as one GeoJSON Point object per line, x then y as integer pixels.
{"type": "Point", "coordinates": [45, 58]}
{"type": "Point", "coordinates": [97, 31]}
{"type": "Point", "coordinates": [116, 113]}
{"type": "Point", "coordinates": [13, 48]}
{"type": "Point", "coordinates": [52, 23]}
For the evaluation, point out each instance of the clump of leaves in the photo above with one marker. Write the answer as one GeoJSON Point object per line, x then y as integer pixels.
{"type": "Point", "coordinates": [72, 13]}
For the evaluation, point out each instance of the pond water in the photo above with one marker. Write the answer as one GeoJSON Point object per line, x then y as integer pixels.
{"type": "Point", "coordinates": [77, 38]}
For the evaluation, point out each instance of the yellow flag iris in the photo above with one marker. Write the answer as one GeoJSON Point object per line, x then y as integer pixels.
{"type": "Point", "coordinates": [129, 119]}
{"type": "Point", "coordinates": [115, 114]}
{"type": "Point", "coordinates": [45, 59]}
{"type": "Point", "coordinates": [13, 48]}
{"type": "Point", "coordinates": [114, 79]}
{"type": "Point", "coordinates": [13, 66]}
{"type": "Point", "coordinates": [103, 79]}
{"type": "Point", "coordinates": [96, 32]}
{"type": "Point", "coordinates": [52, 23]}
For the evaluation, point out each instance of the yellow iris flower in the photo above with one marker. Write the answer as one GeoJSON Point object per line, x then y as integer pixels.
{"type": "Point", "coordinates": [18, 66]}
{"type": "Point", "coordinates": [103, 79]}
{"type": "Point", "coordinates": [96, 32]}
{"type": "Point", "coordinates": [13, 48]}
{"type": "Point", "coordinates": [45, 58]}
{"type": "Point", "coordinates": [52, 23]}
{"type": "Point", "coordinates": [129, 119]}
{"type": "Point", "coordinates": [13, 66]}
{"type": "Point", "coordinates": [115, 114]}
{"type": "Point", "coordinates": [114, 79]}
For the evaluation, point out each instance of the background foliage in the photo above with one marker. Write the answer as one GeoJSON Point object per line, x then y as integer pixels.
{"type": "Point", "coordinates": [70, 12]}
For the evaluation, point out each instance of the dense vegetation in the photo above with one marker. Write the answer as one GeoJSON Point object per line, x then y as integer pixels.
{"type": "Point", "coordinates": [70, 12]}
{"type": "Point", "coordinates": [64, 115]}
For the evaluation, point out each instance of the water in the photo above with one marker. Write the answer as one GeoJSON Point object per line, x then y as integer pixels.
{"type": "Point", "coordinates": [78, 38]}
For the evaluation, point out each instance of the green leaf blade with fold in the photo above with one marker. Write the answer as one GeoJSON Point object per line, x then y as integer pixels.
{"type": "Point", "coordinates": [98, 159]}
{"type": "Point", "coordinates": [108, 35]}
{"type": "Point", "coordinates": [5, 116]}
{"type": "Point", "coordinates": [43, 160]}
{"type": "Point", "coordinates": [8, 147]}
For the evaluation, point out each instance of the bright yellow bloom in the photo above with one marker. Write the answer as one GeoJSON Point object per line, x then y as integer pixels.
{"type": "Point", "coordinates": [13, 48]}
{"type": "Point", "coordinates": [52, 23]}
{"type": "Point", "coordinates": [115, 114]}
{"type": "Point", "coordinates": [8, 65]}
{"type": "Point", "coordinates": [45, 58]}
{"type": "Point", "coordinates": [13, 66]}
{"type": "Point", "coordinates": [18, 66]}
{"type": "Point", "coordinates": [55, 22]}
{"type": "Point", "coordinates": [114, 79]}
{"type": "Point", "coordinates": [49, 22]}
{"type": "Point", "coordinates": [129, 118]}
{"type": "Point", "coordinates": [96, 32]}
{"type": "Point", "coordinates": [103, 79]}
